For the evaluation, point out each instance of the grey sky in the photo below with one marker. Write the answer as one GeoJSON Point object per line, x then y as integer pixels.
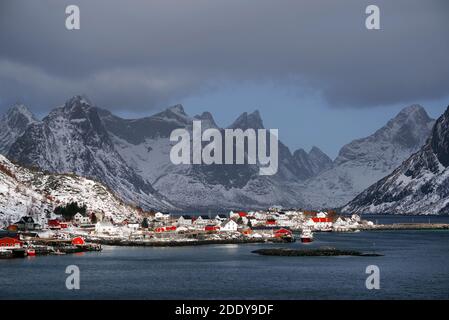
{"type": "Point", "coordinates": [139, 56]}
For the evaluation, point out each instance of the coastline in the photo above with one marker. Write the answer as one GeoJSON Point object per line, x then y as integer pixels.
{"type": "Point", "coordinates": [407, 226]}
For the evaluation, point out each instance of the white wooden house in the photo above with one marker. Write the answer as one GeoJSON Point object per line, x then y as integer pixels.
{"type": "Point", "coordinates": [185, 220]}
{"type": "Point", "coordinates": [229, 225]}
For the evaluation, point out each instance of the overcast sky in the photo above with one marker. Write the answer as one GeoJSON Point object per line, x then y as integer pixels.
{"type": "Point", "coordinates": [310, 67]}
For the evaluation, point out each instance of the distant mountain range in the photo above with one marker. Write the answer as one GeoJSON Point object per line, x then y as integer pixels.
{"type": "Point", "coordinates": [131, 157]}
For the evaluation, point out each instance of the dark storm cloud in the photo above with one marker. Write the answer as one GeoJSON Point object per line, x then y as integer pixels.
{"type": "Point", "coordinates": [143, 54]}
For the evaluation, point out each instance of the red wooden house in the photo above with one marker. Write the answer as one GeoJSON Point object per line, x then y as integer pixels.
{"type": "Point", "coordinates": [8, 242]}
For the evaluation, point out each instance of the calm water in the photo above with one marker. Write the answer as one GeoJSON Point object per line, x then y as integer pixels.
{"type": "Point", "coordinates": [415, 265]}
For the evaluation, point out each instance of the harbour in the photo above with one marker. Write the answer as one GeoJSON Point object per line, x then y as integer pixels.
{"type": "Point", "coordinates": [414, 259]}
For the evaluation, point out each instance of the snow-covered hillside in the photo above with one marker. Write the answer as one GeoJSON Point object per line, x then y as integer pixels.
{"type": "Point", "coordinates": [364, 161]}
{"type": "Point", "coordinates": [24, 191]}
{"type": "Point", "coordinates": [419, 186]}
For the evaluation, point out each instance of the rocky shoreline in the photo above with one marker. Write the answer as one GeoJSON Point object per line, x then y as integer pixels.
{"type": "Point", "coordinates": [407, 226]}
{"type": "Point", "coordinates": [319, 252]}
{"type": "Point", "coordinates": [141, 243]}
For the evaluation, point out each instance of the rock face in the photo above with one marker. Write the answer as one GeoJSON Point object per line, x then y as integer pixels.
{"type": "Point", "coordinates": [312, 163]}
{"type": "Point", "coordinates": [30, 192]}
{"type": "Point", "coordinates": [419, 186]}
{"type": "Point", "coordinates": [13, 124]}
{"type": "Point", "coordinates": [73, 139]}
{"type": "Point", "coordinates": [364, 161]}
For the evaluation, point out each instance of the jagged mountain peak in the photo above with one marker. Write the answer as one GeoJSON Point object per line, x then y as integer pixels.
{"type": "Point", "coordinates": [177, 108]}
{"type": "Point", "coordinates": [173, 113]}
{"type": "Point", "coordinates": [248, 121]}
{"type": "Point", "coordinates": [207, 119]}
{"type": "Point", "coordinates": [414, 113]}
{"type": "Point", "coordinates": [300, 152]}
{"type": "Point", "coordinates": [316, 151]}
{"type": "Point", "coordinates": [312, 163]}
{"type": "Point", "coordinates": [19, 110]}
{"type": "Point", "coordinates": [414, 109]}
{"type": "Point", "coordinates": [78, 105]}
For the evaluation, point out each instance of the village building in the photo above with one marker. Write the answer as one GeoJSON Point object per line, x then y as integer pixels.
{"type": "Point", "coordinates": [220, 217]}
{"type": "Point", "coordinates": [79, 219]}
{"type": "Point", "coordinates": [27, 223]}
{"type": "Point", "coordinates": [211, 228]}
{"type": "Point", "coordinates": [185, 220]}
{"type": "Point", "coordinates": [202, 220]}
{"type": "Point", "coordinates": [105, 227]}
{"type": "Point", "coordinates": [162, 216]}
{"type": "Point", "coordinates": [323, 224]}
{"type": "Point", "coordinates": [229, 225]}
{"type": "Point", "coordinates": [134, 226]}
{"type": "Point", "coordinates": [10, 243]}
{"type": "Point", "coordinates": [54, 224]}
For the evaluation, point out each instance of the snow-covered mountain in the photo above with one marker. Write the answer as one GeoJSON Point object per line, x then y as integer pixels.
{"type": "Point", "coordinates": [419, 186]}
{"type": "Point", "coordinates": [73, 139]}
{"type": "Point", "coordinates": [144, 145]}
{"type": "Point", "coordinates": [364, 161]}
{"type": "Point", "coordinates": [24, 191]}
{"type": "Point", "coordinates": [13, 124]}
{"type": "Point", "coordinates": [132, 157]}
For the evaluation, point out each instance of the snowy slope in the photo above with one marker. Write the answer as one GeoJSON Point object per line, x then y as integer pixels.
{"type": "Point", "coordinates": [24, 191]}
{"type": "Point", "coordinates": [72, 139]}
{"type": "Point", "coordinates": [13, 124]}
{"type": "Point", "coordinates": [364, 161]}
{"type": "Point", "coordinates": [419, 186]}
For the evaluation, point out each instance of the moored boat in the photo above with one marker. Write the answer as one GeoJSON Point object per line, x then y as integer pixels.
{"type": "Point", "coordinates": [306, 236]}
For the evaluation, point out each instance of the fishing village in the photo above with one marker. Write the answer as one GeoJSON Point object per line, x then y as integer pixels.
{"type": "Point", "coordinates": [88, 231]}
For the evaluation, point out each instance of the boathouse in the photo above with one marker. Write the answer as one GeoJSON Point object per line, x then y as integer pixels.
{"type": "Point", "coordinates": [8, 242]}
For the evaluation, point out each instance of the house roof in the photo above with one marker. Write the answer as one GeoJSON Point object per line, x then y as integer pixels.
{"type": "Point", "coordinates": [222, 216]}
{"type": "Point", "coordinates": [226, 222]}
{"type": "Point", "coordinates": [186, 217]}
{"type": "Point", "coordinates": [26, 219]}
{"type": "Point", "coordinates": [204, 217]}
{"type": "Point", "coordinates": [9, 240]}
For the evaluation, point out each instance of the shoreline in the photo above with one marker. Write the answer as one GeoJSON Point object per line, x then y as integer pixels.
{"type": "Point", "coordinates": [406, 226]}
{"type": "Point", "coordinates": [140, 243]}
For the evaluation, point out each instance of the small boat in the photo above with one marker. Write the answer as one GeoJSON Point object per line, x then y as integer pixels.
{"type": "Point", "coordinates": [306, 236]}
{"type": "Point", "coordinates": [30, 252]}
